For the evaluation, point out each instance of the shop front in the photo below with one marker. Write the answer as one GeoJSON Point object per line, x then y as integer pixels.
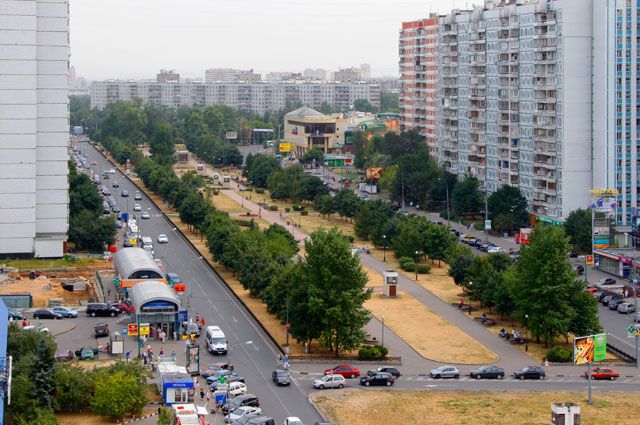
{"type": "Point", "coordinates": [157, 305]}
{"type": "Point", "coordinates": [612, 262]}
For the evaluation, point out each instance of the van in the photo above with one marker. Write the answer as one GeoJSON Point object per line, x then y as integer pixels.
{"type": "Point", "coordinates": [226, 182]}
{"type": "Point", "coordinates": [200, 167]}
{"type": "Point", "coordinates": [216, 341]}
{"type": "Point", "coordinates": [146, 242]}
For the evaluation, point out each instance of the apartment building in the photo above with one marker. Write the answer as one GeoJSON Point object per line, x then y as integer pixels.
{"type": "Point", "coordinates": [514, 99]}
{"type": "Point", "coordinates": [257, 97]}
{"type": "Point", "coordinates": [34, 127]}
{"type": "Point", "coordinates": [616, 113]}
{"type": "Point", "coordinates": [316, 74]}
{"type": "Point", "coordinates": [167, 76]}
{"type": "Point", "coordinates": [228, 75]}
{"type": "Point", "coordinates": [348, 75]}
{"type": "Point", "coordinates": [419, 78]}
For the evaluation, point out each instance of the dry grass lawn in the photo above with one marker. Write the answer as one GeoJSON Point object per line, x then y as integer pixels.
{"type": "Point", "coordinates": [224, 203]}
{"type": "Point", "coordinates": [358, 407]}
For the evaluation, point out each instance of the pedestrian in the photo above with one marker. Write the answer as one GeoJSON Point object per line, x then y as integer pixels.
{"type": "Point", "coordinates": [201, 393]}
{"type": "Point", "coordinates": [286, 361]}
{"type": "Point", "coordinates": [278, 358]}
{"type": "Point", "coordinates": [208, 397]}
{"type": "Point", "coordinates": [109, 293]}
{"type": "Point", "coordinates": [197, 318]}
{"type": "Point", "coordinates": [144, 358]}
{"type": "Point", "coordinates": [460, 304]}
{"type": "Point", "coordinates": [161, 351]}
{"type": "Point", "coordinates": [24, 322]}
{"type": "Point", "coordinates": [202, 321]}
{"type": "Point", "coordinates": [163, 336]}
{"type": "Point", "coordinates": [547, 367]}
{"type": "Point", "coordinates": [173, 355]}
{"type": "Point", "coordinates": [127, 356]}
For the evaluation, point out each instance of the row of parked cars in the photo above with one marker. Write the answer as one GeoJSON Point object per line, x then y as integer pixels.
{"type": "Point", "coordinates": [483, 246]}
{"type": "Point", "coordinates": [611, 294]}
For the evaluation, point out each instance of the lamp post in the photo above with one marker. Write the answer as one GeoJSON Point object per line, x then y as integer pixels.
{"type": "Point", "coordinates": [470, 285]}
{"type": "Point", "coordinates": [417, 258]}
{"type": "Point", "coordinates": [383, 330]}
{"type": "Point", "coordinates": [526, 341]}
{"type": "Point", "coordinates": [384, 249]}
{"type": "Point", "coordinates": [228, 419]}
{"type": "Point", "coordinates": [635, 312]}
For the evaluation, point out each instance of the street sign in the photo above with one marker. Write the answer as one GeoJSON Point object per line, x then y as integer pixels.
{"type": "Point", "coordinates": [589, 259]}
{"type": "Point", "coordinates": [222, 379]}
{"type": "Point", "coordinates": [633, 330]}
{"type": "Point", "coordinates": [487, 225]}
{"type": "Point", "coordinates": [132, 329]}
{"type": "Point", "coordinates": [144, 329]}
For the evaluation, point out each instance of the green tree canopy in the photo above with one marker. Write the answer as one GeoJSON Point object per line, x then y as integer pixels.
{"type": "Point", "coordinates": [508, 209]}
{"type": "Point", "coordinates": [162, 143]}
{"type": "Point", "coordinates": [119, 394]}
{"type": "Point", "coordinates": [579, 230]}
{"type": "Point", "coordinates": [466, 199]}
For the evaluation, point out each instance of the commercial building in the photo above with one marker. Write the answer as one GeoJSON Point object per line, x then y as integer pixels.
{"type": "Point", "coordinates": [419, 78]}
{"type": "Point", "coordinates": [281, 77]}
{"type": "Point", "coordinates": [34, 127]}
{"type": "Point", "coordinates": [156, 304]}
{"type": "Point", "coordinates": [228, 75]}
{"type": "Point", "coordinates": [257, 97]}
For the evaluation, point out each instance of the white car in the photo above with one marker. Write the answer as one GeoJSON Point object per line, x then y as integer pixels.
{"type": "Point", "coordinates": [243, 411]}
{"type": "Point", "coordinates": [329, 381]}
{"type": "Point", "coordinates": [137, 207]}
{"type": "Point", "coordinates": [112, 171]}
{"type": "Point", "coordinates": [293, 420]}
{"type": "Point", "coordinates": [162, 238]}
{"type": "Point", "coordinates": [494, 250]}
{"type": "Point", "coordinates": [445, 372]}
{"type": "Point", "coordinates": [145, 215]}
{"type": "Point", "coordinates": [235, 388]}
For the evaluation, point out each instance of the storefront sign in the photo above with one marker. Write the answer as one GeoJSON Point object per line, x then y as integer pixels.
{"type": "Point", "coordinates": [144, 329]}
{"type": "Point", "coordinates": [132, 329]}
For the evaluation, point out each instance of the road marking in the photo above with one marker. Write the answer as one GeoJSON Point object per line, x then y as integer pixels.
{"type": "Point", "coordinates": [216, 309]}
{"type": "Point", "coordinates": [234, 318]}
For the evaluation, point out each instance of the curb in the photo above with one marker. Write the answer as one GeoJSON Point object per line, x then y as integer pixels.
{"type": "Point", "coordinates": [138, 419]}
{"type": "Point", "coordinates": [64, 332]}
{"type": "Point", "coordinates": [315, 406]}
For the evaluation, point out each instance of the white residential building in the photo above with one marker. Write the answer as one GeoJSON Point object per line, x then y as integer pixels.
{"type": "Point", "coordinates": [257, 97]}
{"type": "Point", "coordinates": [34, 126]}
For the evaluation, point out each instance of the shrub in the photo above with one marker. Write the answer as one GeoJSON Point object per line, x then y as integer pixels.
{"type": "Point", "coordinates": [259, 190]}
{"type": "Point", "coordinates": [351, 238]}
{"type": "Point", "coordinates": [408, 267]}
{"type": "Point", "coordinates": [216, 191]}
{"type": "Point", "coordinates": [303, 212]}
{"type": "Point", "coordinates": [273, 207]}
{"type": "Point", "coordinates": [559, 354]}
{"type": "Point", "coordinates": [404, 260]}
{"type": "Point", "coordinates": [298, 207]}
{"type": "Point", "coordinates": [250, 189]}
{"type": "Point", "coordinates": [372, 352]}
{"type": "Point", "coordinates": [287, 209]}
{"type": "Point", "coordinates": [423, 268]}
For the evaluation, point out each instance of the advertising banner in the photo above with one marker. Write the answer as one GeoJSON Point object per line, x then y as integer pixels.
{"type": "Point", "coordinates": [132, 329]}
{"type": "Point", "coordinates": [144, 329]}
{"type": "Point", "coordinates": [231, 135]}
{"type": "Point", "coordinates": [589, 349]}
{"type": "Point", "coordinates": [285, 147]}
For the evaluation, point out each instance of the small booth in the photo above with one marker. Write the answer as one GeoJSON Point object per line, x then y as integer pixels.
{"type": "Point", "coordinates": [565, 414]}
{"type": "Point", "coordinates": [390, 278]}
{"type": "Point", "coordinates": [174, 383]}
{"type": "Point", "coordinates": [116, 343]}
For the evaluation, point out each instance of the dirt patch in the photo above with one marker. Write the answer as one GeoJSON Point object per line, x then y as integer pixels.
{"type": "Point", "coordinates": [357, 407]}
{"type": "Point", "coordinates": [88, 418]}
{"type": "Point", "coordinates": [44, 288]}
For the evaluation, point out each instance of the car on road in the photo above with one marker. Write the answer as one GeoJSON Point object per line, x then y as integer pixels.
{"type": "Point", "coordinates": [112, 171]}
{"type": "Point", "coordinates": [529, 372]}
{"type": "Point", "coordinates": [260, 420]}
{"type": "Point", "coordinates": [65, 312]}
{"type": "Point", "coordinates": [162, 238]}
{"type": "Point", "coordinates": [488, 372]}
{"type": "Point", "coordinates": [115, 184]}
{"type": "Point", "coordinates": [100, 330]}
{"type": "Point", "coordinates": [46, 313]}
{"type": "Point", "coordinates": [626, 308]}
{"type": "Point", "coordinates": [62, 356]}
{"type": "Point", "coordinates": [329, 381]}
{"type": "Point", "coordinates": [379, 378]}
{"type": "Point", "coordinates": [102, 309]}
{"type": "Point", "coordinates": [241, 400]}
{"type": "Point", "coordinates": [145, 215]}
{"type": "Point", "coordinates": [281, 377]}
{"type": "Point", "coordinates": [94, 163]}
{"type": "Point", "coordinates": [292, 420]}
{"type": "Point", "coordinates": [603, 373]}
{"type": "Point", "coordinates": [241, 412]}
{"type": "Point", "coordinates": [606, 299]}
{"type": "Point", "coordinates": [392, 370]}
{"type": "Point", "coordinates": [445, 372]}
{"type": "Point", "coordinates": [345, 370]}
{"type": "Point", "coordinates": [137, 196]}
{"type": "Point", "coordinates": [86, 353]}
{"type": "Point", "coordinates": [15, 314]}
{"type": "Point", "coordinates": [124, 194]}
{"type": "Point", "coordinates": [137, 207]}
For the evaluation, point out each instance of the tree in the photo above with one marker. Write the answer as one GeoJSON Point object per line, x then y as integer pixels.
{"type": "Point", "coordinates": [389, 101]}
{"type": "Point", "coordinates": [124, 121]}
{"type": "Point", "coordinates": [311, 155]}
{"type": "Point", "coordinates": [436, 242]}
{"type": "Point", "coordinates": [166, 416]}
{"type": "Point", "coordinates": [507, 208]}
{"type": "Point", "coordinates": [275, 230]}
{"type": "Point", "coordinates": [310, 187]}
{"type": "Point", "coordinates": [408, 242]}
{"type": "Point", "coordinates": [347, 203]}
{"type": "Point", "coordinates": [259, 168]}
{"type": "Point", "coordinates": [90, 232]}
{"type": "Point", "coordinates": [324, 205]}
{"type": "Point", "coordinates": [83, 195]}
{"type": "Point", "coordinates": [460, 259]}
{"type": "Point", "coordinates": [42, 374]}
{"type": "Point", "coordinates": [584, 320]}
{"type": "Point", "coordinates": [578, 228]}
{"type": "Point", "coordinates": [162, 144]}
{"type": "Point", "coordinates": [363, 105]}
{"type": "Point", "coordinates": [466, 199]}
{"type": "Point", "coordinates": [119, 394]}
{"type": "Point", "coordinates": [365, 221]}
{"type": "Point", "coordinates": [74, 389]}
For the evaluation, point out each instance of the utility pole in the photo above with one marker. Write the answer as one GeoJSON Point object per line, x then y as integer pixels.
{"type": "Point", "coordinates": [486, 213]}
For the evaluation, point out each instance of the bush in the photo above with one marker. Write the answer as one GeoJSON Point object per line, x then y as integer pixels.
{"type": "Point", "coordinates": [408, 267]}
{"type": "Point", "coordinates": [559, 354]}
{"type": "Point", "coordinates": [216, 191]}
{"type": "Point", "coordinates": [287, 209]}
{"type": "Point", "coordinates": [303, 212]}
{"type": "Point", "coordinates": [259, 190]}
{"type": "Point", "coordinates": [350, 238]}
{"type": "Point", "coordinates": [273, 207]}
{"type": "Point", "coordinates": [298, 207]}
{"type": "Point", "coordinates": [423, 268]}
{"type": "Point", "coordinates": [372, 352]}
{"type": "Point", "coordinates": [249, 189]}
{"type": "Point", "coordinates": [403, 260]}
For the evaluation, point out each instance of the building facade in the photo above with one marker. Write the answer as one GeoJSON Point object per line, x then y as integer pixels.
{"type": "Point", "coordinates": [34, 127]}
{"type": "Point", "coordinates": [419, 78]}
{"type": "Point", "coordinates": [257, 97]}
{"type": "Point", "coordinates": [228, 75]}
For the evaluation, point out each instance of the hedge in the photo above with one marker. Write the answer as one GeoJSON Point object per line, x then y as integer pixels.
{"type": "Point", "coordinates": [423, 268]}
{"type": "Point", "coordinates": [372, 352]}
{"type": "Point", "coordinates": [559, 354]}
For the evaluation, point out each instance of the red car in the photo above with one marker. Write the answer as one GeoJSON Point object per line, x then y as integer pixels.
{"type": "Point", "coordinates": [347, 371]}
{"type": "Point", "coordinates": [64, 356]}
{"type": "Point", "coordinates": [121, 306]}
{"type": "Point", "coordinates": [603, 373]}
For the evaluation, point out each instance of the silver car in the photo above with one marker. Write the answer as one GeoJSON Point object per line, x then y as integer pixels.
{"type": "Point", "coordinates": [329, 381]}
{"type": "Point", "coordinates": [445, 372]}
{"type": "Point", "coordinates": [626, 308]}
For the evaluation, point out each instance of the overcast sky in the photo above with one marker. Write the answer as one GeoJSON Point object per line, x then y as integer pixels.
{"type": "Point", "coordinates": [135, 38]}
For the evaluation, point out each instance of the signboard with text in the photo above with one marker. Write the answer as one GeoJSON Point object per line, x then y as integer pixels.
{"type": "Point", "coordinates": [132, 329]}
{"type": "Point", "coordinates": [285, 147]}
{"type": "Point", "coordinates": [589, 349]}
{"type": "Point", "coordinates": [231, 135]}
{"type": "Point", "coordinates": [633, 330]}
{"type": "Point", "coordinates": [144, 329]}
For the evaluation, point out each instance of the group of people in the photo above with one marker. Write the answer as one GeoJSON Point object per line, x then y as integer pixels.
{"type": "Point", "coordinates": [514, 334]}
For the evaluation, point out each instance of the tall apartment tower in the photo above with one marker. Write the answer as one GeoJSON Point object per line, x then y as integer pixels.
{"type": "Point", "coordinates": [616, 113]}
{"type": "Point", "coordinates": [34, 127]}
{"type": "Point", "coordinates": [419, 78]}
{"type": "Point", "coordinates": [514, 99]}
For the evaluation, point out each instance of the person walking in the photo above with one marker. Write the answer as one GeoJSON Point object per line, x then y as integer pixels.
{"type": "Point", "coordinates": [201, 393]}
{"type": "Point", "coordinates": [173, 355]}
{"type": "Point", "coordinates": [547, 367]}
{"type": "Point", "coordinates": [286, 361]}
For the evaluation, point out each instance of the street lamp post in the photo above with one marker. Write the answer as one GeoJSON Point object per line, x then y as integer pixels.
{"type": "Point", "coordinates": [383, 330]}
{"type": "Point", "coordinates": [470, 285]}
{"type": "Point", "coordinates": [417, 258]}
{"type": "Point", "coordinates": [526, 341]}
{"type": "Point", "coordinates": [228, 419]}
{"type": "Point", "coordinates": [384, 249]}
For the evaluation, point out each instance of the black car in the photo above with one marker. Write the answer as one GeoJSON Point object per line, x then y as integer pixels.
{"type": "Point", "coordinates": [124, 194]}
{"type": "Point", "coordinates": [379, 378]}
{"type": "Point", "coordinates": [488, 372]}
{"type": "Point", "coordinates": [606, 300]}
{"type": "Point", "coordinates": [101, 329]}
{"type": "Point", "coordinates": [101, 309]}
{"type": "Point", "coordinates": [45, 313]}
{"type": "Point", "coordinates": [241, 400]}
{"type": "Point", "coordinates": [614, 303]}
{"type": "Point", "coordinates": [281, 377]}
{"type": "Point", "coordinates": [390, 370]}
{"type": "Point", "coordinates": [529, 372]}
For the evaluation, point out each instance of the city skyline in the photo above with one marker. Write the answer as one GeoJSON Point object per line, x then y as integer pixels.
{"type": "Point", "coordinates": [132, 39]}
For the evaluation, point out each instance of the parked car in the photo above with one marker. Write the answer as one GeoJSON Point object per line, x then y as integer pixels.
{"type": "Point", "coordinates": [65, 312]}
{"type": "Point", "coordinates": [173, 278]}
{"type": "Point", "coordinates": [379, 378]}
{"type": "Point", "coordinates": [329, 381]}
{"type": "Point", "coordinates": [101, 309]}
{"type": "Point", "coordinates": [529, 372]}
{"type": "Point", "coordinates": [86, 353]}
{"type": "Point", "coordinates": [46, 313]}
{"type": "Point", "coordinates": [494, 250]}
{"type": "Point", "coordinates": [626, 308]}
{"type": "Point", "coordinates": [445, 372]}
{"type": "Point", "coordinates": [234, 389]}
{"type": "Point", "coordinates": [15, 314]}
{"type": "Point", "coordinates": [118, 224]}
{"type": "Point", "coordinates": [605, 300]}
{"type": "Point", "coordinates": [122, 307]}
{"type": "Point", "coordinates": [281, 377]}
{"type": "Point", "coordinates": [62, 356]}
{"type": "Point", "coordinates": [137, 196]}
{"type": "Point", "coordinates": [292, 420]}
{"type": "Point", "coordinates": [241, 400]}
{"type": "Point", "coordinates": [124, 194]}
{"type": "Point", "coordinates": [488, 372]}
{"type": "Point", "coordinates": [145, 215]}
{"type": "Point", "coordinates": [345, 370]}
{"type": "Point", "coordinates": [162, 238]}
{"type": "Point", "coordinates": [603, 373]}
{"type": "Point", "coordinates": [614, 303]}
{"type": "Point", "coordinates": [242, 411]}
{"type": "Point", "coordinates": [260, 420]}
{"type": "Point", "coordinates": [101, 329]}
{"type": "Point", "coordinates": [392, 370]}
{"type": "Point", "coordinates": [606, 281]}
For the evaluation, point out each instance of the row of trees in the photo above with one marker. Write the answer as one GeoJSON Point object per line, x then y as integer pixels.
{"type": "Point", "coordinates": [88, 229]}
{"type": "Point", "coordinates": [541, 289]}
{"type": "Point", "coordinates": [41, 387]}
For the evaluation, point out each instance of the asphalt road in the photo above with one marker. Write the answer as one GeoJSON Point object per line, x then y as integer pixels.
{"type": "Point", "coordinates": [211, 299]}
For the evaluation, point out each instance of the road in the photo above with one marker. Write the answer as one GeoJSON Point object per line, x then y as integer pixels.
{"type": "Point", "coordinates": [211, 299]}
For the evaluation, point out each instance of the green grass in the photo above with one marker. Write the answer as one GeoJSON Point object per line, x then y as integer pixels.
{"type": "Point", "coordinates": [34, 263]}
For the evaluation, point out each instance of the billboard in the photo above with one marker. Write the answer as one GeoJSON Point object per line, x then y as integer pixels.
{"type": "Point", "coordinates": [231, 135]}
{"type": "Point", "coordinates": [285, 147]}
{"type": "Point", "coordinates": [589, 349]}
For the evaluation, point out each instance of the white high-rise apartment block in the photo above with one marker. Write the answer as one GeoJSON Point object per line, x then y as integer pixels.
{"type": "Point", "coordinates": [257, 97]}
{"type": "Point", "coordinates": [34, 126]}
{"type": "Point", "coordinates": [514, 99]}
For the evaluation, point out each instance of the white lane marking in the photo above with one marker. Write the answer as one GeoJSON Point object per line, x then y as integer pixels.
{"type": "Point", "coordinates": [234, 318]}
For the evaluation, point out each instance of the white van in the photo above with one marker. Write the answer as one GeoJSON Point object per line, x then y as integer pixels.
{"type": "Point", "coordinates": [216, 341]}
{"type": "Point", "coordinates": [147, 243]}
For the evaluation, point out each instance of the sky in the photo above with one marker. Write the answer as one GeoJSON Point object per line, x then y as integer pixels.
{"type": "Point", "coordinates": [136, 38]}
